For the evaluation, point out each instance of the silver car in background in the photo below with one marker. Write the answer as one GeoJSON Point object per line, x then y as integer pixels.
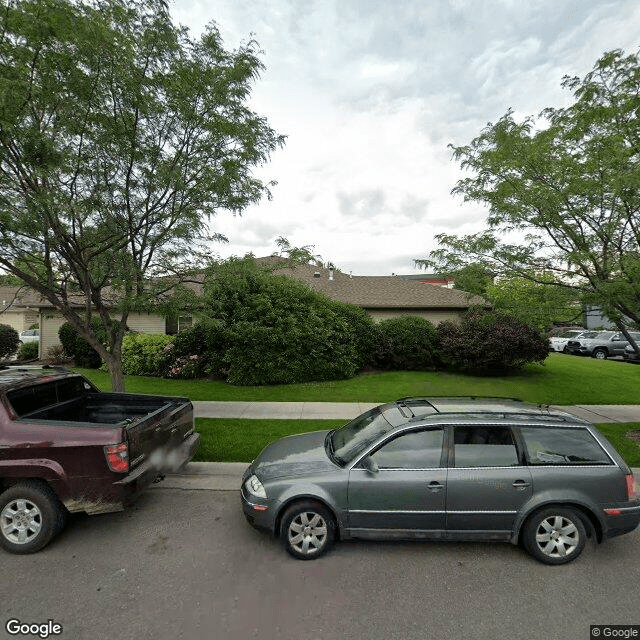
{"type": "Point", "coordinates": [600, 345]}
{"type": "Point", "coordinates": [445, 469]}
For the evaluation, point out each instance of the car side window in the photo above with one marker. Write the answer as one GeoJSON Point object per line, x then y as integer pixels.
{"type": "Point", "coordinates": [481, 446]}
{"type": "Point", "coordinates": [548, 446]}
{"type": "Point", "coordinates": [413, 450]}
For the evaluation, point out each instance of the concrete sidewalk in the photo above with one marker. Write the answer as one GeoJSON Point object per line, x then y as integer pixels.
{"type": "Point", "coordinates": [349, 410]}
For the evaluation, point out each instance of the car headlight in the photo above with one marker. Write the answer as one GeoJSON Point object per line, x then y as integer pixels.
{"type": "Point", "coordinates": [254, 486]}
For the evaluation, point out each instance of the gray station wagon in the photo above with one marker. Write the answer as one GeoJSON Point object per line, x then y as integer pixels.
{"type": "Point", "coordinates": [449, 469]}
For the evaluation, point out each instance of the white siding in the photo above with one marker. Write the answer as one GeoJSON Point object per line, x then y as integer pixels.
{"type": "Point", "coordinates": [50, 322]}
{"type": "Point", "coordinates": [146, 323]}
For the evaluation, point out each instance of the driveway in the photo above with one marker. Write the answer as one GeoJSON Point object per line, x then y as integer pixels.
{"type": "Point", "coordinates": [184, 564]}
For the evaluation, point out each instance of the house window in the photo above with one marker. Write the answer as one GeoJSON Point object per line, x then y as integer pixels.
{"type": "Point", "coordinates": [176, 324]}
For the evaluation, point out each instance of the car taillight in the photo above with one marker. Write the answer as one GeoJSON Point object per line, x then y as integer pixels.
{"type": "Point", "coordinates": [630, 492]}
{"type": "Point", "coordinates": [118, 457]}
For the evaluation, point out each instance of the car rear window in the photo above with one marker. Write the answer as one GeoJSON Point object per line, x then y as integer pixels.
{"type": "Point", "coordinates": [549, 446]}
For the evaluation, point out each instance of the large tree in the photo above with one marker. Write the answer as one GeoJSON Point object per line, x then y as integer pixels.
{"type": "Point", "coordinates": [120, 137]}
{"type": "Point", "coordinates": [563, 193]}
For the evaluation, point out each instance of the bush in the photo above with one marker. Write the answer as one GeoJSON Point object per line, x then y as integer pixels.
{"type": "Point", "coordinates": [207, 340]}
{"type": "Point", "coordinates": [28, 351]}
{"type": "Point", "coordinates": [83, 354]}
{"type": "Point", "coordinates": [365, 332]}
{"type": "Point", "coordinates": [276, 330]}
{"type": "Point", "coordinates": [9, 341]}
{"type": "Point", "coordinates": [56, 355]}
{"type": "Point", "coordinates": [489, 342]}
{"type": "Point", "coordinates": [406, 343]}
{"type": "Point", "coordinates": [145, 354]}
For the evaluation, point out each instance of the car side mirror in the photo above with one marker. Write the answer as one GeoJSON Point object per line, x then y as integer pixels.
{"type": "Point", "coordinates": [370, 464]}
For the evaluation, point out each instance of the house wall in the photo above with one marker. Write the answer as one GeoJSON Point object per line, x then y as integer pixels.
{"type": "Point", "coordinates": [433, 315]}
{"type": "Point", "coordinates": [20, 320]}
{"type": "Point", "coordinates": [51, 321]}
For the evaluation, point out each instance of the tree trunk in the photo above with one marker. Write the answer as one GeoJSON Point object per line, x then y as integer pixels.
{"type": "Point", "coordinates": [114, 365]}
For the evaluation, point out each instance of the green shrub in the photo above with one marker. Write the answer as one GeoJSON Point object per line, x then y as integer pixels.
{"type": "Point", "coordinates": [9, 341]}
{"type": "Point", "coordinates": [365, 332]}
{"type": "Point", "coordinates": [276, 330]}
{"type": "Point", "coordinates": [28, 351]}
{"type": "Point", "coordinates": [83, 354]}
{"type": "Point", "coordinates": [207, 340]}
{"type": "Point", "coordinates": [406, 343]}
{"type": "Point", "coordinates": [145, 354]}
{"type": "Point", "coordinates": [489, 342]}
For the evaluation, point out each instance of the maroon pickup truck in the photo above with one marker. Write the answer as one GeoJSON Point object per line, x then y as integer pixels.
{"type": "Point", "coordinates": [65, 446]}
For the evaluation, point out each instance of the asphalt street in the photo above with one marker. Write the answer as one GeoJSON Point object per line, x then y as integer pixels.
{"type": "Point", "coordinates": [183, 563]}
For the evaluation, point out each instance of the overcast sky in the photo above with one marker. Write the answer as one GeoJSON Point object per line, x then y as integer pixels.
{"type": "Point", "coordinates": [371, 92]}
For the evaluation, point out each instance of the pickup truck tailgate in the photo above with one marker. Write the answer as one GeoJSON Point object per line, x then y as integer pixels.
{"type": "Point", "coordinates": [156, 438]}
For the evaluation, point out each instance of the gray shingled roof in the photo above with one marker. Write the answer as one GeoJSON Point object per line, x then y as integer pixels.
{"type": "Point", "coordinates": [380, 292]}
{"type": "Point", "coordinates": [369, 292]}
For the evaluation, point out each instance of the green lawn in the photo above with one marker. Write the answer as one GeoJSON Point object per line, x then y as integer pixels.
{"type": "Point", "coordinates": [238, 440]}
{"type": "Point", "coordinates": [562, 380]}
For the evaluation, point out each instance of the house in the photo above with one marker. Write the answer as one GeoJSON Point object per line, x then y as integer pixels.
{"type": "Point", "coordinates": [386, 296]}
{"type": "Point", "coordinates": [380, 296]}
{"type": "Point", "coordinates": [23, 307]}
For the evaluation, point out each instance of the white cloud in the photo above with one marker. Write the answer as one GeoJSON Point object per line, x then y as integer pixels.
{"type": "Point", "coordinates": [370, 92]}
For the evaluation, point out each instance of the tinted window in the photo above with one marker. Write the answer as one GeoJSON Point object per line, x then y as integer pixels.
{"type": "Point", "coordinates": [415, 450]}
{"type": "Point", "coordinates": [29, 399]}
{"type": "Point", "coordinates": [562, 446]}
{"type": "Point", "coordinates": [484, 447]}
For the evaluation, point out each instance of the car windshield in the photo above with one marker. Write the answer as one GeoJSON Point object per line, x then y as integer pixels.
{"type": "Point", "coordinates": [352, 439]}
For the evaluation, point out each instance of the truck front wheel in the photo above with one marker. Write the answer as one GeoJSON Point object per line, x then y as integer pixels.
{"type": "Point", "coordinates": [30, 515]}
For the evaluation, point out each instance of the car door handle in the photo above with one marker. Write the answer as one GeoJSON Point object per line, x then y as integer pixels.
{"type": "Point", "coordinates": [435, 486]}
{"type": "Point", "coordinates": [521, 484]}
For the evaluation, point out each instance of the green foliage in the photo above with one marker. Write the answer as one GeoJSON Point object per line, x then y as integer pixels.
{"type": "Point", "coordinates": [28, 351]}
{"type": "Point", "coordinates": [568, 184]}
{"type": "Point", "coordinates": [9, 341]}
{"type": "Point", "coordinates": [83, 354]}
{"type": "Point", "coordinates": [490, 342]}
{"type": "Point", "coordinates": [473, 278]}
{"type": "Point", "coordinates": [207, 341]}
{"type": "Point", "coordinates": [280, 331]}
{"type": "Point", "coordinates": [145, 354]}
{"type": "Point", "coordinates": [406, 343]}
{"type": "Point", "coordinates": [120, 137]}
{"type": "Point", "coordinates": [538, 305]}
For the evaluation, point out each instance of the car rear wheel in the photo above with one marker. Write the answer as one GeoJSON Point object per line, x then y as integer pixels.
{"type": "Point", "coordinates": [555, 535]}
{"type": "Point", "coordinates": [600, 354]}
{"type": "Point", "coordinates": [30, 515]}
{"type": "Point", "coordinates": [308, 530]}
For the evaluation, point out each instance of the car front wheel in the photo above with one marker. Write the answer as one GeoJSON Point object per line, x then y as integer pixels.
{"type": "Point", "coordinates": [600, 354]}
{"type": "Point", "coordinates": [308, 530]}
{"type": "Point", "coordinates": [30, 515]}
{"type": "Point", "coordinates": [555, 535]}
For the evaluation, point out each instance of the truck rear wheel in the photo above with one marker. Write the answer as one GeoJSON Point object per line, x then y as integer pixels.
{"type": "Point", "coordinates": [30, 515]}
